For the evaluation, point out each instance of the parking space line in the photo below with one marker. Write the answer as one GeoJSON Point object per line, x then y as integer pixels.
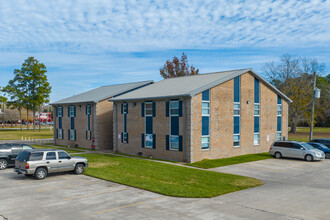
{"type": "Point", "coordinates": [125, 206]}
{"type": "Point", "coordinates": [93, 194]}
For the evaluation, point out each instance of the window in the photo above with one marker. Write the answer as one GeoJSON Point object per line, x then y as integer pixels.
{"type": "Point", "coordinates": [205, 143]}
{"type": "Point", "coordinates": [256, 139]}
{"type": "Point", "coordinates": [236, 140]}
{"type": "Point", "coordinates": [88, 109]}
{"type": "Point", "coordinates": [59, 133]}
{"type": "Point", "coordinates": [256, 109]}
{"type": "Point", "coordinates": [174, 108]}
{"type": "Point", "coordinates": [72, 111]}
{"type": "Point", "coordinates": [51, 156]}
{"type": "Point", "coordinates": [237, 109]}
{"type": "Point", "coordinates": [279, 110]}
{"type": "Point", "coordinates": [149, 141]}
{"type": "Point", "coordinates": [26, 147]}
{"type": "Point", "coordinates": [125, 108]}
{"type": "Point", "coordinates": [125, 137]}
{"type": "Point", "coordinates": [60, 111]}
{"type": "Point", "coordinates": [63, 155]}
{"type": "Point", "coordinates": [36, 156]}
{"type": "Point", "coordinates": [72, 135]}
{"type": "Point", "coordinates": [174, 142]}
{"type": "Point", "coordinates": [205, 108]}
{"type": "Point", "coordinates": [279, 136]}
{"type": "Point", "coordinates": [148, 110]}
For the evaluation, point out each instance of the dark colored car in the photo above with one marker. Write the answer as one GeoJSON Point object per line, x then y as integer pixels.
{"type": "Point", "coordinates": [9, 152]}
{"type": "Point", "coordinates": [325, 141]}
{"type": "Point", "coordinates": [321, 147]}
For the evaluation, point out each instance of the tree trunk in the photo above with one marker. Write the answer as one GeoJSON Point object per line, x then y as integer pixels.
{"type": "Point", "coordinates": [20, 118]}
{"type": "Point", "coordinates": [27, 119]}
{"type": "Point", "coordinates": [293, 127]}
{"type": "Point", "coordinates": [34, 119]}
{"type": "Point", "coordinates": [39, 120]}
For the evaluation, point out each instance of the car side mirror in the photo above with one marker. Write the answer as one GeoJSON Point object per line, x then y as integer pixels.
{"type": "Point", "coordinates": [69, 157]}
{"type": "Point", "coordinates": [302, 148]}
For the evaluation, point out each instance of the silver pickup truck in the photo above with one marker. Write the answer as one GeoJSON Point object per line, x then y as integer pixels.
{"type": "Point", "coordinates": [40, 162]}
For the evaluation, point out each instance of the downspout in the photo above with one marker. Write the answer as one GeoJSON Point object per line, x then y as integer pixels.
{"type": "Point", "coordinates": [184, 129]}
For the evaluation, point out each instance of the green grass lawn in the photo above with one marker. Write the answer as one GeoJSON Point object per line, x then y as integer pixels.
{"type": "Point", "coordinates": [206, 164]}
{"type": "Point", "coordinates": [303, 134]}
{"type": "Point", "coordinates": [69, 150]}
{"type": "Point", "coordinates": [165, 179]}
{"type": "Point", "coordinates": [17, 134]}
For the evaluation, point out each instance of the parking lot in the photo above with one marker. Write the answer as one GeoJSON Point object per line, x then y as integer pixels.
{"type": "Point", "coordinates": [293, 189]}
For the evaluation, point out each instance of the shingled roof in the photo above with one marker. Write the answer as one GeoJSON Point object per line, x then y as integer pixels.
{"type": "Point", "coordinates": [102, 93]}
{"type": "Point", "coordinates": [189, 86]}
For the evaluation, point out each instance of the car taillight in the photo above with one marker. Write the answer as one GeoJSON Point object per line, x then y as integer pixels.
{"type": "Point", "coordinates": [270, 148]}
{"type": "Point", "coordinates": [27, 166]}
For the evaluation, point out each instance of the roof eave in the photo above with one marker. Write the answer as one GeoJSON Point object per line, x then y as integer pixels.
{"type": "Point", "coordinates": [148, 98]}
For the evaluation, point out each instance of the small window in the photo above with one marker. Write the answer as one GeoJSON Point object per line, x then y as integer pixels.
{"type": "Point", "coordinates": [174, 142]}
{"type": "Point", "coordinates": [125, 137]}
{"type": "Point", "coordinates": [279, 136]}
{"type": "Point", "coordinates": [72, 135]}
{"type": "Point", "coordinates": [71, 111]}
{"type": "Point", "coordinates": [256, 139]}
{"type": "Point", "coordinates": [205, 108]}
{"type": "Point", "coordinates": [148, 110]}
{"type": "Point", "coordinates": [174, 108]}
{"type": "Point", "coordinates": [205, 143]}
{"type": "Point", "coordinates": [36, 156]}
{"type": "Point", "coordinates": [63, 155]}
{"type": "Point", "coordinates": [51, 156]}
{"type": "Point", "coordinates": [125, 107]}
{"type": "Point", "coordinates": [236, 140]}
{"type": "Point", "coordinates": [279, 110]}
{"type": "Point", "coordinates": [88, 109]}
{"type": "Point", "coordinates": [27, 147]}
{"type": "Point", "coordinates": [60, 111]}
{"type": "Point", "coordinates": [256, 109]}
{"type": "Point", "coordinates": [59, 134]}
{"type": "Point", "coordinates": [149, 141]}
{"type": "Point", "coordinates": [237, 109]}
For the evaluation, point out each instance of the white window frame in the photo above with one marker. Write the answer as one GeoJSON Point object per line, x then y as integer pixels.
{"type": "Point", "coordinates": [254, 139]}
{"type": "Point", "coordinates": [206, 108]}
{"type": "Point", "coordinates": [59, 133]}
{"type": "Point", "coordinates": [71, 110]}
{"type": "Point", "coordinates": [145, 109]}
{"type": "Point", "coordinates": [239, 140]}
{"type": "Point", "coordinates": [178, 138]}
{"type": "Point", "coordinates": [258, 109]}
{"type": "Point", "coordinates": [178, 108]}
{"type": "Point", "coordinates": [60, 111]}
{"type": "Point", "coordinates": [279, 135]}
{"type": "Point", "coordinates": [208, 147]}
{"type": "Point", "coordinates": [72, 135]}
{"type": "Point", "coordinates": [279, 109]}
{"type": "Point", "coordinates": [237, 109]}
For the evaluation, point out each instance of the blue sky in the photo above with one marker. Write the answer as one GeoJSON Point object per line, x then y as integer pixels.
{"type": "Point", "coordinates": [87, 44]}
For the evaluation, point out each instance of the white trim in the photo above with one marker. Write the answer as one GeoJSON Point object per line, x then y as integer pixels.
{"type": "Point", "coordinates": [72, 135]}
{"type": "Point", "coordinates": [205, 136]}
{"type": "Point", "coordinates": [279, 105]}
{"type": "Point", "coordinates": [254, 139]}
{"type": "Point", "coordinates": [170, 108]}
{"type": "Point", "coordinates": [239, 140]}
{"type": "Point", "coordinates": [254, 109]}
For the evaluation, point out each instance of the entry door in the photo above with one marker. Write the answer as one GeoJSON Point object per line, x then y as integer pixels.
{"type": "Point", "coordinates": [51, 162]}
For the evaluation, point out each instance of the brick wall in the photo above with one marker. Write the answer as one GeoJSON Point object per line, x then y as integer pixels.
{"type": "Point", "coordinates": [103, 124]}
{"type": "Point", "coordinates": [221, 120]}
{"type": "Point", "coordinates": [136, 126]}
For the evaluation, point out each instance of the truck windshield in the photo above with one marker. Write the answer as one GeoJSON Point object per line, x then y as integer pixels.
{"type": "Point", "coordinates": [23, 156]}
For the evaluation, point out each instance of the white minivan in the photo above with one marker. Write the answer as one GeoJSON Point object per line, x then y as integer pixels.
{"type": "Point", "coordinates": [295, 149]}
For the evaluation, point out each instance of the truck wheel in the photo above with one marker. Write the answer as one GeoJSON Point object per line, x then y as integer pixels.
{"type": "Point", "coordinates": [79, 169]}
{"type": "Point", "coordinates": [40, 174]}
{"type": "Point", "coordinates": [3, 164]}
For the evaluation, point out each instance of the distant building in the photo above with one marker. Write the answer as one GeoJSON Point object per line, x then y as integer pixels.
{"type": "Point", "coordinates": [85, 120]}
{"type": "Point", "coordinates": [198, 117]}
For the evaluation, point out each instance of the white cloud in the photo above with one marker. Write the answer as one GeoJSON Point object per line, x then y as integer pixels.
{"type": "Point", "coordinates": [165, 24]}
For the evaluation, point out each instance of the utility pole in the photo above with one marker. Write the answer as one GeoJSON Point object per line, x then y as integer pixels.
{"type": "Point", "coordinates": [313, 101]}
